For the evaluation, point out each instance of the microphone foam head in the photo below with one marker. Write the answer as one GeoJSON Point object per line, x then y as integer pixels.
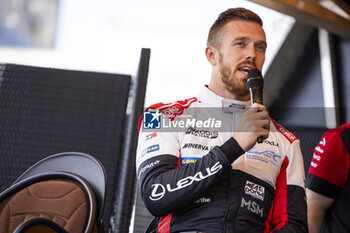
{"type": "Point", "coordinates": [254, 73]}
{"type": "Point", "coordinates": [254, 78]}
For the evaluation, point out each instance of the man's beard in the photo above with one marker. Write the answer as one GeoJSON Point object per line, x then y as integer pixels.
{"type": "Point", "coordinates": [232, 83]}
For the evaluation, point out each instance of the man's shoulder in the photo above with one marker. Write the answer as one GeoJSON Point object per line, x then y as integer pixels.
{"type": "Point", "coordinates": [173, 109]}
{"type": "Point", "coordinates": [291, 137]}
{"type": "Point", "coordinates": [338, 134]}
{"type": "Point", "coordinates": [344, 128]}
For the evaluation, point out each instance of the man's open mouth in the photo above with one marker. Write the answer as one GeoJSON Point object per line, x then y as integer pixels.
{"type": "Point", "coordinates": [245, 68]}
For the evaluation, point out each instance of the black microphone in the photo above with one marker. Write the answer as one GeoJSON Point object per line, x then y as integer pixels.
{"type": "Point", "coordinates": [255, 84]}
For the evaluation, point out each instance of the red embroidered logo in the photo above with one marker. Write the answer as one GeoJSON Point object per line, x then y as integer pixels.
{"type": "Point", "coordinates": [290, 136]}
{"type": "Point", "coordinates": [172, 110]}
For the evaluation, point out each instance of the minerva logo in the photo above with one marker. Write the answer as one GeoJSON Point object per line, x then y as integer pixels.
{"type": "Point", "coordinates": [195, 146]}
{"type": "Point", "coordinates": [158, 190]}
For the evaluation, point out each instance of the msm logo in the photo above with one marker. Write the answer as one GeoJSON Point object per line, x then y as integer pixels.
{"type": "Point", "coordinates": [252, 206]}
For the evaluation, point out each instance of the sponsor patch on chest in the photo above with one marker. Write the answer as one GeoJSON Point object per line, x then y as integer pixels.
{"type": "Point", "coordinates": [202, 133]}
{"type": "Point", "coordinates": [252, 206]}
{"type": "Point", "coordinates": [267, 156]}
{"type": "Point", "coordinates": [254, 190]}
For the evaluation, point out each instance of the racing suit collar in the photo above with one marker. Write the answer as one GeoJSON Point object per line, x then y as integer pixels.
{"type": "Point", "coordinates": [228, 105]}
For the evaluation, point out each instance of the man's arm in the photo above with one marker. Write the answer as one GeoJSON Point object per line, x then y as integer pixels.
{"type": "Point", "coordinates": [289, 209]}
{"type": "Point", "coordinates": [166, 188]}
{"type": "Point", "coordinates": [327, 175]}
{"type": "Point", "coordinates": [316, 209]}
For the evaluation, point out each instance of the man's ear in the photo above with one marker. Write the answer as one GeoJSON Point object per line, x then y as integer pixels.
{"type": "Point", "coordinates": [212, 55]}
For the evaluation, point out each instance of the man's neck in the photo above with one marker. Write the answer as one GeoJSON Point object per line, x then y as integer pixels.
{"type": "Point", "coordinates": [223, 92]}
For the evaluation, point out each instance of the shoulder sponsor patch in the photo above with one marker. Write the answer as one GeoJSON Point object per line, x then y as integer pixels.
{"type": "Point", "coordinates": [289, 135]}
{"type": "Point", "coordinates": [174, 109]}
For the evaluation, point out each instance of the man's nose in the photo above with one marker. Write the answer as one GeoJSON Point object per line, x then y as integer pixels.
{"type": "Point", "coordinates": [251, 54]}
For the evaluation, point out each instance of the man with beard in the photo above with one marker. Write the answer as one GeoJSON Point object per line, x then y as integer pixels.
{"type": "Point", "coordinates": [208, 173]}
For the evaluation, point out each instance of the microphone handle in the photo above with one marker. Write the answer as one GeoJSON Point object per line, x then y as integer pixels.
{"type": "Point", "coordinates": [256, 97]}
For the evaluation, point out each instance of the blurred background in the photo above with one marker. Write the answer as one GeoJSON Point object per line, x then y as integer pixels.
{"type": "Point", "coordinates": [107, 35]}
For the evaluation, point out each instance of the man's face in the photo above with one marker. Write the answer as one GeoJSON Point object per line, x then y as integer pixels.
{"type": "Point", "coordinates": [242, 46]}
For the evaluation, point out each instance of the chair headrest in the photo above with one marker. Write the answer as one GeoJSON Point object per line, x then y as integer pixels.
{"type": "Point", "coordinates": [78, 163]}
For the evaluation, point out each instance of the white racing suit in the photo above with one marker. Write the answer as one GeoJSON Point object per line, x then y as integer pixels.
{"type": "Point", "coordinates": [195, 177]}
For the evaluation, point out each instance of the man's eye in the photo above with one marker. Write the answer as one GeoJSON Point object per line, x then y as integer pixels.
{"type": "Point", "coordinates": [239, 43]}
{"type": "Point", "coordinates": [261, 48]}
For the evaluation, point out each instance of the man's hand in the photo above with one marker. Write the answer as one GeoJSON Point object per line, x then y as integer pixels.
{"type": "Point", "coordinates": [255, 122]}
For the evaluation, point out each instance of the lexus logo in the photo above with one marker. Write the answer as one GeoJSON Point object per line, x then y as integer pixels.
{"type": "Point", "coordinates": [158, 192]}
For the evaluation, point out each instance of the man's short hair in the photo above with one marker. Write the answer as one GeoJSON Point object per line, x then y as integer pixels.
{"type": "Point", "coordinates": [229, 15]}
